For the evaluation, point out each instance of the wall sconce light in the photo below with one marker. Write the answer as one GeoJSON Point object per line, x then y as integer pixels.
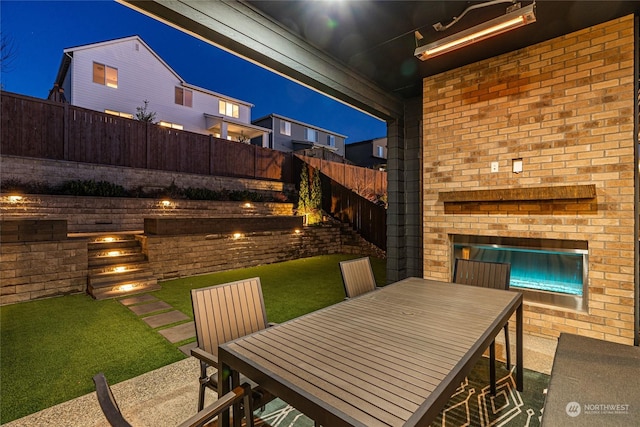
{"type": "Point", "coordinates": [15, 198]}
{"type": "Point", "coordinates": [113, 253]}
{"type": "Point", "coordinates": [509, 21]}
{"type": "Point", "coordinates": [236, 236]}
{"type": "Point", "coordinates": [247, 205]}
{"type": "Point", "coordinates": [108, 239]}
{"type": "Point", "coordinates": [120, 269]}
{"type": "Point", "coordinates": [516, 165]}
{"type": "Point", "coordinates": [296, 231]}
{"type": "Point", "coordinates": [165, 203]}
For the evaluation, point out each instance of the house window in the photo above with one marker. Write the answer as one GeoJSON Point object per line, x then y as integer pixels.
{"type": "Point", "coordinates": [105, 75]}
{"type": "Point", "coordinates": [285, 127]}
{"type": "Point", "coordinates": [311, 135]}
{"type": "Point", "coordinates": [331, 140]}
{"type": "Point", "coordinates": [171, 125]}
{"type": "Point", "coordinates": [229, 109]}
{"type": "Point", "coordinates": [380, 149]}
{"type": "Point", "coordinates": [119, 114]}
{"type": "Point", "coordinates": [184, 97]}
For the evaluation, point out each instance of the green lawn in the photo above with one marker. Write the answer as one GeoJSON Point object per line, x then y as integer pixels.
{"type": "Point", "coordinates": [50, 349]}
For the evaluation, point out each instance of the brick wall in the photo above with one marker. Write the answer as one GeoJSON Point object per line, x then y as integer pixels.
{"type": "Point", "coordinates": [96, 214]}
{"type": "Point", "coordinates": [566, 108]}
{"type": "Point", "coordinates": [33, 270]}
{"type": "Point", "coordinates": [187, 255]}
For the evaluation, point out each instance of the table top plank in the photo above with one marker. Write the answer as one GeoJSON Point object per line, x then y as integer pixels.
{"type": "Point", "coordinates": [316, 384]}
{"type": "Point", "coordinates": [383, 358]}
{"type": "Point", "coordinates": [367, 366]}
{"type": "Point", "coordinates": [337, 374]}
{"type": "Point", "coordinates": [363, 342]}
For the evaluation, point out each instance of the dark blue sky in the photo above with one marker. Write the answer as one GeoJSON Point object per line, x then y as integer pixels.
{"type": "Point", "coordinates": [40, 30]}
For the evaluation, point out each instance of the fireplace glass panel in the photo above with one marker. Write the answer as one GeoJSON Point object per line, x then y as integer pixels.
{"type": "Point", "coordinates": [556, 276]}
{"type": "Point", "coordinates": [536, 269]}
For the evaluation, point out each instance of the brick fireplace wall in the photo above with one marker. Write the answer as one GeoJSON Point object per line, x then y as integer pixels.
{"type": "Point", "coordinates": [566, 108]}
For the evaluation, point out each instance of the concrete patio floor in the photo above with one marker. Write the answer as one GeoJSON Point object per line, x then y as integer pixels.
{"type": "Point", "coordinates": [168, 396]}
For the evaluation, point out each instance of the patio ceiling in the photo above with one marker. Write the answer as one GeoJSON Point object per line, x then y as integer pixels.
{"type": "Point", "coordinates": [361, 52]}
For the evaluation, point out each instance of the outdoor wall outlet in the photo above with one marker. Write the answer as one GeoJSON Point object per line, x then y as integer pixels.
{"type": "Point", "coordinates": [494, 167]}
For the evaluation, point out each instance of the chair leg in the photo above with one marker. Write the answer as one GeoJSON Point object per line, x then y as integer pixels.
{"type": "Point", "coordinates": [507, 346]}
{"type": "Point", "coordinates": [204, 379]}
{"type": "Point", "coordinates": [492, 367]}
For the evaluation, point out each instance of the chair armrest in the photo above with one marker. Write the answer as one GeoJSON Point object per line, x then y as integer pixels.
{"type": "Point", "coordinates": [205, 356]}
{"type": "Point", "coordinates": [223, 403]}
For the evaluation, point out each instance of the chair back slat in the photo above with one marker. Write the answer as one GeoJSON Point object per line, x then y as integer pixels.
{"type": "Point", "coordinates": [357, 277]}
{"type": "Point", "coordinates": [226, 312]}
{"type": "Point", "coordinates": [494, 275]}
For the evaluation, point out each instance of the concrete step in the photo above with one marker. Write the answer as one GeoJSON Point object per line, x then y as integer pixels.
{"type": "Point", "coordinates": [128, 275]}
{"type": "Point", "coordinates": [118, 244]}
{"type": "Point", "coordinates": [111, 258]}
{"type": "Point", "coordinates": [113, 268]}
{"type": "Point", "coordinates": [118, 289]}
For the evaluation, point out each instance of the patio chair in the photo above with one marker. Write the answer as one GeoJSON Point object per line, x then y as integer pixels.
{"type": "Point", "coordinates": [357, 277]}
{"type": "Point", "coordinates": [495, 275]}
{"type": "Point", "coordinates": [222, 313]}
{"type": "Point", "coordinates": [113, 415]}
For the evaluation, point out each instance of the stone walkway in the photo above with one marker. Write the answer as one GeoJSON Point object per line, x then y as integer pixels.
{"type": "Point", "coordinates": [158, 315]}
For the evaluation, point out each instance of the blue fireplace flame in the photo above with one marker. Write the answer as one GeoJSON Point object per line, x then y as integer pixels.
{"type": "Point", "coordinates": [537, 269]}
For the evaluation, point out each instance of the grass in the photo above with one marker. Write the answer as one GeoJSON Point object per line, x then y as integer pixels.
{"type": "Point", "coordinates": [290, 289]}
{"type": "Point", "coordinates": [50, 349]}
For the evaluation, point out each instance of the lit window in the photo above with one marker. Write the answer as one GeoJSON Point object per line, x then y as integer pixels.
{"type": "Point", "coordinates": [380, 151]}
{"type": "Point", "coordinates": [171, 125]}
{"type": "Point", "coordinates": [285, 127]}
{"type": "Point", "coordinates": [105, 75]}
{"type": "Point", "coordinates": [311, 135]}
{"type": "Point", "coordinates": [229, 109]}
{"type": "Point", "coordinates": [331, 140]}
{"type": "Point", "coordinates": [184, 97]}
{"type": "Point", "coordinates": [119, 114]}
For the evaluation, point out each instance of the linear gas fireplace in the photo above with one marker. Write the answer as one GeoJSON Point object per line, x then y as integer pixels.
{"type": "Point", "coordinates": [547, 271]}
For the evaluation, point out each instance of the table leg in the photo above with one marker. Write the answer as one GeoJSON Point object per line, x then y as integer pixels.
{"type": "Point", "coordinates": [224, 386]}
{"type": "Point", "coordinates": [492, 367]}
{"type": "Point", "coordinates": [228, 379]}
{"type": "Point", "coordinates": [519, 351]}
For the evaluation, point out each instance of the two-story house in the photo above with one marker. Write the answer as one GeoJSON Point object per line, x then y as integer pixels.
{"type": "Point", "coordinates": [292, 135]}
{"type": "Point", "coordinates": [117, 76]}
{"type": "Point", "coordinates": [371, 153]}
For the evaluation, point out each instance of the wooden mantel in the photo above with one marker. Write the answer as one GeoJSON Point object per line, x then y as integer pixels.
{"type": "Point", "coordinates": [520, 194]}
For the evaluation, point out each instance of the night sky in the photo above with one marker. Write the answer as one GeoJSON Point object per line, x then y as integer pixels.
{"type": "Point", "coordinates": [40, 30]}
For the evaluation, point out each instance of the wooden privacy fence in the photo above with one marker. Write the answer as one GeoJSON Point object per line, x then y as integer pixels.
{"type": "Point", "coordinates": [32, 127]}
{"type": "Point", "coordinates": [363, 181]}
{"type": "Point", "coordinates": [369, 219]}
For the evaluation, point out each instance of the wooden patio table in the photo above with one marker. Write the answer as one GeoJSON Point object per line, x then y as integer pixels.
{"type": "Point", "coordinates": [391, 357]}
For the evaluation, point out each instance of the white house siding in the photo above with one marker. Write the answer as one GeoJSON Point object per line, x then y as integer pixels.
{"type": "Point", "coordinates": [282, 142]}
{"type": "Point", "coordinates": [141, 76]}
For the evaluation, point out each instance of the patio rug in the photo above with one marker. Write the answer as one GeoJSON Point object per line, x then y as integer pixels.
{"type": "Point", "coordinates": [471, 405]}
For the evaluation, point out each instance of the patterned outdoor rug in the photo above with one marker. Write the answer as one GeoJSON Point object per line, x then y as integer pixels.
{"type": "Point", "coordinates": [471, 405]}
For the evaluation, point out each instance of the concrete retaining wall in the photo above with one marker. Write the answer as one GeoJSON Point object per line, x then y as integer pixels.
{"type": "Point", "coordinates": [33, 270]}
{"type": "Point", "coordinates": [97, 214]}
{"type": "Point", "coordinates": [187, 255]}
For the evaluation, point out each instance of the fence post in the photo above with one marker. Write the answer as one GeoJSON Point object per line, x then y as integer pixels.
{"type": "Point", "coordinates": [148, 144]}
{"type": "Point", "coordinates": [211, 148]}
{"type": "Point", "coordinates": [65, 132]}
